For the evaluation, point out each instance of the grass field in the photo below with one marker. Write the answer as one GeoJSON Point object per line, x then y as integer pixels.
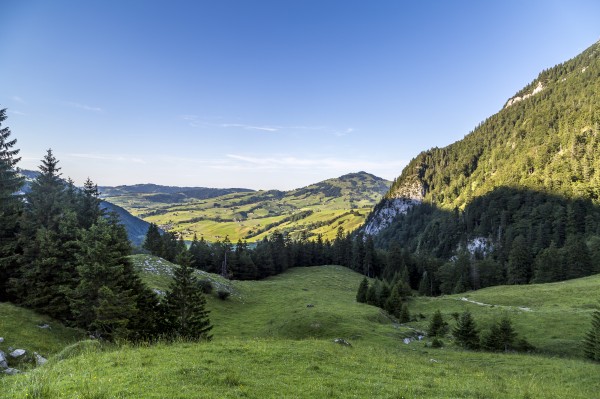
{"type": "Point", "coordinates": [269, 344]}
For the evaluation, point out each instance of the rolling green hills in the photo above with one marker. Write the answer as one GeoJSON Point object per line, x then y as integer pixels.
{"type": "Point", "coordinates": [268, 343]}
{"type": "Point", "coordinates": [316, 209]}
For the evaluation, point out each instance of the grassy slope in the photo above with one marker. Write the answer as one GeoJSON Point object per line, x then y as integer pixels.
{"type": "Point", "coordinates": [268, 343]}
{"type": "Point", "coordinates": [19, 328]}
{"type": "Point", "coordinates": [247, 215]}
{"type": "Point", "coordinates": [553, 317]}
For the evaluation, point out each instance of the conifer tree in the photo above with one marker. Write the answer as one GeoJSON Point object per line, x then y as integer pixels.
{"type": "Point", "coordinates": [465, 333]}
{"type": "Point", "coordinates": [437, 327]}
{"type": "Point", "coordinates": [592, 339]}
{"type": "Point", "coordinates": [404, 314]}
{"type": "Point", "coordinates": [185, 304]}
{"type": "Point", "coordinates": [361, 295]}
{"type": "Point", "coordinates": [153, 242]}
{"type": "Point", "coordinates": [102, 301]}
{"type": "Point", "coordinates": [393, 305]}
{"type": "Point", "coordinates": [89, 204]}
{"type": "Point", "coordinates": [10, 207]}
{"type": "Point", "coordinates": [501, 337]}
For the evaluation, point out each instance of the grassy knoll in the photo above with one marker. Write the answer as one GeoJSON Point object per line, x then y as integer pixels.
{"type": "Point", "coordinates": [269, 344]}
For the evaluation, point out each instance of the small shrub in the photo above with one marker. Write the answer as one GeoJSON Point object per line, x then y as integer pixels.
{"type": "Point", "coordinates": [437, 343]}
{"type": "Point", "coordinates": [206, 286]}
{"type": "Point", "coordinates": [222, 294]}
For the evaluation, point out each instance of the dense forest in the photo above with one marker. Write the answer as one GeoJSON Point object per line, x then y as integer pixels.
{"type": "Point", "coordinates": [62, 255]}
{"type": "Point", "coordinates": [517, 200]}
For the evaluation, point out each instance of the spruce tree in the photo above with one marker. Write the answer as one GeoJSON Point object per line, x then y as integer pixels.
{"type": "Point", "coordinates": [393, 305]}
{"type": "Point", "coordinates": [404, 314]}
{"type": "Point", "coordinates": [437, 327]}
{"type": "Point", "coordinates": [102, 301]}
{"type": "Point", "coordinates": [592, 339]}
{"type": "Point", "coordinates": [501, 337]}
{"type": "Point", "coordinates": [361, 295]}
{"type": "Point", "coordinates": [153, 242]}
{"type": "Point", "coordinates": [465, 333]}
{"type": "Point", "coordinates": [185, 304]}
{"type": "Point", "coordinates": [10, 207]}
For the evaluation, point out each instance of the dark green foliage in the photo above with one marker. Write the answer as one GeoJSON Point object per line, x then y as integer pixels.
{"type": "Point", "coordinates": [363, 288]}
{"type": "Point", "coordinates": [205, 286]}
{"type": "Point", "coordinates": [437, 343]}
{"type": "Point", "coordinates": [501, 337]}
{"type": "Point", "coordinates": [591, 344]}
{"type": "Point", "coordinates": [153, 242]}
{"type": "Point", "coordinates": [223, 294]}
{"type": "Point", "coordinates": [437, 325]}
{"type": "Point", "coordinates": [393, 305]}
{"type": "Point", "coordinates": [185, 304]}
{"type": "Point", "coordinates": [404, 314]}
{"type": "Point", "coordinates": [10, 207]}
{"type": "Point", "coordinates": [373, 293]}
{"type": "Point", "coordinates": [465, 332]}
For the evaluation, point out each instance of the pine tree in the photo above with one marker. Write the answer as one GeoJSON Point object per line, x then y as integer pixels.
{"type": "Point", "coordinates": [404, 314]}
{"type": "Point", "coordinates": [185, 304]}
{"type": "Point", "coordinates": [153, 242]}
{"type": "Point", "coordinates": [437, 327]}
{"type": "Point", "coordinates": [519, 262]}
{"type": "Point", "coordinates": [89, 204]}
{"type": "Point", "coordinates": [501, 337]}
{"type": "Point", "coordinates": [465, 333]}
{"type": "Point", "coordinates": [102, 301]}
{"type": "Point", "coordinates": [592, 339]}
{"type": "Point", "coordinates": [393, 305]}
{"type": "Point", "coordinates": [10, 207]}
{"type": "Point", "coordinates": [363, 288]}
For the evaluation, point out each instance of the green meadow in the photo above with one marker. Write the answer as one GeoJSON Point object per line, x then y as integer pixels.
{"type": "Point", "coordinates": [274, 338]}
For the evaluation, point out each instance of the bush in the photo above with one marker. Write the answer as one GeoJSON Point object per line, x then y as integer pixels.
{"type": "Point", "coordinates": [437, 343]}
{"type": "Point", "coordinates": [206, 286]}
{"type": "Point", "coordinates": [222, 294]}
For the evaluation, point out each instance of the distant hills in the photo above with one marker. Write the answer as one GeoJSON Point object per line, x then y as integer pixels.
{"type": "Point", "coordinates": [320, 208]}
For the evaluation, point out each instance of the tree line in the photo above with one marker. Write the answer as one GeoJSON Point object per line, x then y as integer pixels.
{"type": "Point", "coordinates": [61, 255]}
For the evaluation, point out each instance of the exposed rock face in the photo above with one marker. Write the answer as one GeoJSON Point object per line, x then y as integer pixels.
{"type": "Point", "coordinates": [480, 245]}
{"type": "Point", "coordinates": [384, 215]}
{"type": "Point", "coordinates": [11, 371]}
{"type": "Point", "coordinates": [516, 99]}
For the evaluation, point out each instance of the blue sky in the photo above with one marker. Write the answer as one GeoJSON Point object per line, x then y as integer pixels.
{"type": "Point", "coordinates": [266, 94]}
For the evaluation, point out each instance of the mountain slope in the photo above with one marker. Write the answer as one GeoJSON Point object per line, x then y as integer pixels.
{"type": "Point", "coordinates": [539, 158]}
{"type": "Point", "coordinates": [319, 208]}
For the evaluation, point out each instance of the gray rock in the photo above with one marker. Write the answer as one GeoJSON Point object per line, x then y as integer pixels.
{"type": "Point", "coordinates": [44, 326]}
{"type": "Point", "coordinates": [342, 341]}
{"type": "Point", "coordinates": [11, 371]}
{"type": "Point", "coordinates": [39, 359]}
{"type": "Point", "coordinates": [3, 361]}
{"type": "Point", "coordinates": [407, 341]}
{"type": "Point", "coordinates": [18, 353]}
{"type": "Point", "coordinates": [310, 305]}
{"type": "Point", "coordinates": [1, 340]}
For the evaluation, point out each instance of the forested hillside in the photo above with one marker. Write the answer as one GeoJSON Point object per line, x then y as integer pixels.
{"type": "Point", "coordinates": [522, 189]}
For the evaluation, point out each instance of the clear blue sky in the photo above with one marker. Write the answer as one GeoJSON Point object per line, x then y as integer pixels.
{"type": "Point", "coordinates": [266, 94]}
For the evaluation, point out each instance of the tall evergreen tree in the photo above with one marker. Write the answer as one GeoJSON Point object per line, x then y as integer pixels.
{"type": "Point", "coordinates": [102, 301]}
{"type": "Point", "coordinates": [519, 262]}
{"type": "Point", "coordinates": [187, 316]}
{"type": "Point", "coordinates": [153, 241]}
{"type": "Point", "coordinates": [10, 207]}
{"type": "Point", "coordinates": [465, 333]}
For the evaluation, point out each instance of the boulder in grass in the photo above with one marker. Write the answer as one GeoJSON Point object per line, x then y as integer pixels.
{"type": "Point", "coordinates": [342, 341]}
{"type": "Point", "coordinates": [39, 359]}
{"type": "Point", "coordinates": [3, 361]}
{"type": "Point", "coordinates": [18, 353]}
{"type": "Point", "coordinates": [11, 371]}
